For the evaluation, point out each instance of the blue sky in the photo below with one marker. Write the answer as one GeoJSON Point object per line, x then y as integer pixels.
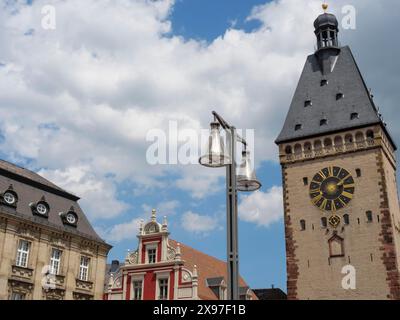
{"type": "Point", "coordinates": [78, 107]}
{"type": "Point", "coordinates": [262, 250]}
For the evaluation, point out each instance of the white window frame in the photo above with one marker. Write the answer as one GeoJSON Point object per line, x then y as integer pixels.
{"type": "Point", "coordinates": [84, 268]}
{"type": "Point", "coordinates": [137, 280]}
{"type": "Point", "coordinates": [151, 247]}
{"type": "Point", "coordinates": [163, 276]}
{"type": "Point", "coordinates": [22, 253]}
{"type": "Point", "coordinates": [55, 262]}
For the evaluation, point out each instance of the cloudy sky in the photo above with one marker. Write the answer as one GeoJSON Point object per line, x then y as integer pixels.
{"type": "Point", "coordinates": [77, 104]}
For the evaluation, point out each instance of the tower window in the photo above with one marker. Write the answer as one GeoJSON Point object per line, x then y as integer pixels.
{"type": "Point", "coordinates": [346, 219]}
{"type": "Point", "coordinates": [324, 222]}
{"type": "Point", "coordinates": [298, 127]}
{"type": "Point", "coordinates": [354, 116]}
{"type": "Point", "coordinates": [368, 215]}
{"type": "Point", "coordinates": [305, 181]}
{"type": "Point", "coordinates": [307, 103]}
{"type": "Point", "coordinates": [370, 134]}
{"type": "Point", "coordinates": [323, 122]}
{"type": "Point", "coordinates": [358, 173]}
{"type": "Point", "coordinates": [339, 96]}
{"type": "Point", "coordinates": [324, 82]}
{"type": "Point", "coordinates": [302, 225]}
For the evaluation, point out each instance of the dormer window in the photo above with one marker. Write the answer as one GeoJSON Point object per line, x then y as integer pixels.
{"type": "Point", "coordinates": [323, 122]}
{"type": "Point", "coordinates": [324, 82]}
{"type": "Point", "coordinates": [40, 208]}
{"type": "Point", "coordinates": [354, 116]}
{"type": "Point", "coordinates": [10, 197]}
{"type": "Point", "coordinates": [298, 127]}
{"type": "Point", "coordinates": [307, 103]}
{"type": "Point", "coordinates": [339, 96]}
{"type": "Point", "coordinates": [70, 217]}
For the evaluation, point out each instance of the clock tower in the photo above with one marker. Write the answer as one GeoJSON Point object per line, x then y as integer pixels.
{"type": "Point", "coordinates": [342, 218]}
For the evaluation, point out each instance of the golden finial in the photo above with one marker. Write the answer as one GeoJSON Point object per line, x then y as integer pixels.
{"type": "Point", "coordinates": [325, 6]}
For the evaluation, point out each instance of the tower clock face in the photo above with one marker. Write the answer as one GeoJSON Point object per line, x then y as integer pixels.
{"type": "Point", "coordinates": [332, 188]}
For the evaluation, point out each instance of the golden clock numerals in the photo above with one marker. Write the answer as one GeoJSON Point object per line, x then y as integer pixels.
{"type": "Point", "coordinates": [335, 182]}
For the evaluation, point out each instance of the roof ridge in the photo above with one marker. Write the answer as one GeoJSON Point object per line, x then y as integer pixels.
{"type": "Point", "coordinates": [27, 174]}
{"type": "Point", "coordinates": [196, 250]}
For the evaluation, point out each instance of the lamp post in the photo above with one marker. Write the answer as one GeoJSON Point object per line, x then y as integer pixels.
{"type": "Point", "coordinates": [244, 181]}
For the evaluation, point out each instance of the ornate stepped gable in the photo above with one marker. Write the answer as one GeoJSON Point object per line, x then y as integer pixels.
{"type": "Point", "coordinates": [191, 274]}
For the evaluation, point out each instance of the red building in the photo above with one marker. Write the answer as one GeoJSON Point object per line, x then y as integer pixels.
{"type": "Point", "coordinates": [163, 269]}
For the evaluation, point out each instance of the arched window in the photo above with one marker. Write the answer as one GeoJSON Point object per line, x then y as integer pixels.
{"type": "Point", "coordinates": [298, 149]}
{"type": "Point", "coordinates": [302, 225]}
{"type": "Point", "coordinates": [318, 145]}
{"type": "Point", "coordinates": [328, 142]}
{"type": "Point", "coordinates": [338, 141]}
{"type": "Point", "coordinates": [348, 139]}
{"type": "Point", "coordinates": [359, 136]}
{"type": "Point", "coordinates": [370, 134]}
{"type": "Point", "coordinates": [288, 150]}
{"type": "Point", "coordinates": [307, 147]}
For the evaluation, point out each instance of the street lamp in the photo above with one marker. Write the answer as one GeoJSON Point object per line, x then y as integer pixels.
{"type": "Point", "coordinates": [246, 180]}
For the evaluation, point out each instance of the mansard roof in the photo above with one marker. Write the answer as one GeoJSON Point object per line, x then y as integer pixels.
{"type": "Point", "coordinates": [330, 88]}
{"type": "Point", "coordinates": [32, 188]}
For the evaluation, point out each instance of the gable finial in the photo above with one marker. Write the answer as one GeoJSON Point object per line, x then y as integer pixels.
{"type": "Point", "coordinates": [153, 215]}
{"type": "Point", "coordinates": [325, 6]}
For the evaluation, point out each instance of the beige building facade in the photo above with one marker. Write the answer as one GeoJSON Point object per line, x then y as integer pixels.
{"type": "Point", "coordinates": [48, 249]}
{"type": "Point", "coordinates": [342, 217]}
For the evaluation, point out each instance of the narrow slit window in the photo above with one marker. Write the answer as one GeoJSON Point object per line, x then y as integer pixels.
{"type": "Point", "coordinates": [302, 225]}
{"type": "Point", "coordinates": [324, 222]}
{"type": "Point", "coordinates": [368, 215]}
{"type": "Point", "coordinates": [346, 219]}
{"type": "Point", "coordinates": [358, 173]}
{"type": "Point", "coordinates": [305, 181]}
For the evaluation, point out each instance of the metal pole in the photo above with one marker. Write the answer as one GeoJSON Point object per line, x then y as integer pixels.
{"type": "Point", "coordinates": [232, 225]}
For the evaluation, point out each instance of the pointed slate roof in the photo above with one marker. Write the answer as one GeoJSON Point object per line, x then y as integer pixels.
{"type": "Point", "coordinates": [345, 79]}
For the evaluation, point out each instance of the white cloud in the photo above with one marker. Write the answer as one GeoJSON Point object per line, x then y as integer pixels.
{"type": "Point", "coordinates": [194, 222]}
{"type": "Point", "coordinates": [86, 94]}
{"type": "Point", "coordinates": [98, 195]}
{"type": "Point", "coordinates": [262, 208]}
{"type": "Point", "coordinates": [164, 208]}
{"type": "Point", "coordinates": [120, 232]}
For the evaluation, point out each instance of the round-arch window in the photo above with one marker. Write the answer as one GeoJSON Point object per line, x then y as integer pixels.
{"type": "Point", "coordinates": [71, 218]}
{"type": "Point", "coordinates": [41, 208]}
{"type": "Point", "coordinates": [9, 198]}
